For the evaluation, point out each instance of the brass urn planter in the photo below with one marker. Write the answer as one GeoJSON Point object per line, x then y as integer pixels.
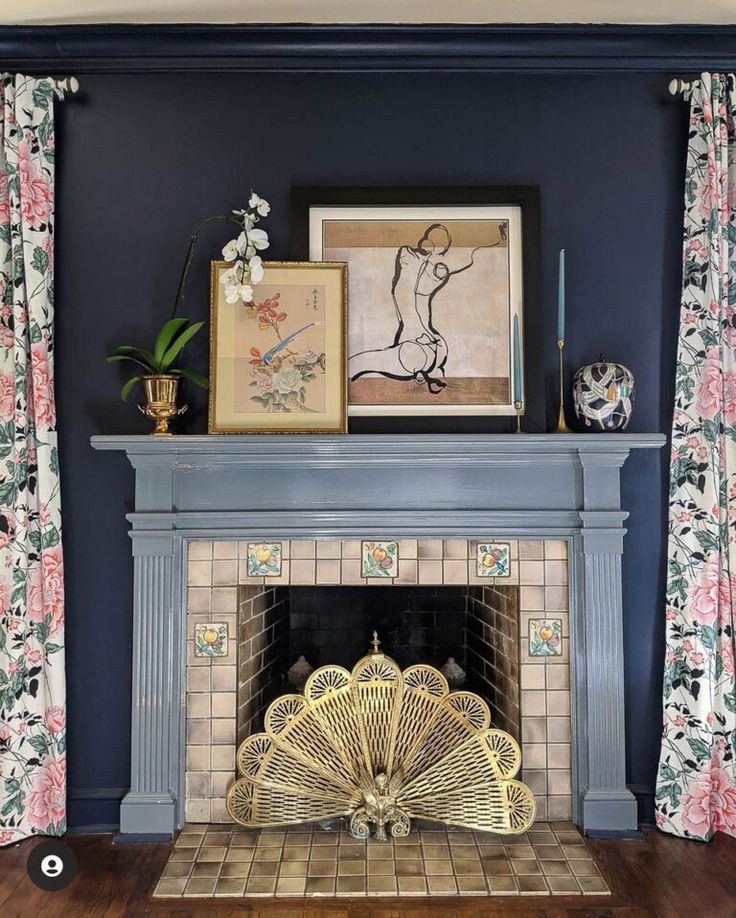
{"type": "Point", "coordinates": [162, 372]}
{"type": "Point", "coordinates": [161, 392]}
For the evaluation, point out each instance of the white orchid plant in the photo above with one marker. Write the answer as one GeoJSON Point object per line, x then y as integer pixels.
{"type": "Point", "coordinates": [247, 267]}
{"type": "Point", "coordinates": [239, 281]}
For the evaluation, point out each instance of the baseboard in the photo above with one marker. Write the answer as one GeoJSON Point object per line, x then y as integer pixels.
{"type": "Point", "coordinates": [94, 810]}
{"type": "Point", "coordinates": [96, 793]}
{"type": "Point", "coordinates": [137, 838]}
{"type": "Point", "coordinates": [644, 794]}
{"type": "Point", "coordinates": [603, 835]}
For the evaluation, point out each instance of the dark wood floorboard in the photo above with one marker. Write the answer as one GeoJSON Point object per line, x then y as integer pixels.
{"type": "Point", "coordinates": [658, 877]}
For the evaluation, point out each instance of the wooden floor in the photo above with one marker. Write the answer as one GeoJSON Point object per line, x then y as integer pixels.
{"type": "Point", "coordinates": [659, 876]}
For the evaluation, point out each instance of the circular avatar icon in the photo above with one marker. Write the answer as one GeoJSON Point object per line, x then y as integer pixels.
{"type": "Point", "coordinates": [52, 865]}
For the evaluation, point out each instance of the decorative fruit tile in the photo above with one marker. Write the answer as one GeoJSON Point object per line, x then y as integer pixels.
{"type": "Point", "coordinates": [380, 559]}
{"type": "Point", "coordinates": [545, 637]}
{"type": "Point", "coordinates": [494, 559]}
{"type": "Point", "coordinates": [210, 639]}
{"type": "Point", "coordinates": [264, 559]}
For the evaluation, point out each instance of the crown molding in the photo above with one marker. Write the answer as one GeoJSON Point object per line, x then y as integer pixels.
{"type": "Point", "coordinates": [549, 49]}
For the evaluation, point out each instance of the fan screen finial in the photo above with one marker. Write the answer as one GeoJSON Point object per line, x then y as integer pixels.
{"type": "Point", "coordinates": [375, 643]}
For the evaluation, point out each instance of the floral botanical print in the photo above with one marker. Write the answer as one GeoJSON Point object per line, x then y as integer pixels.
{"type": "Point", "coordinates": [696, 782]}
{"type": "Point", "coordinates": [281, 374]}
{"type": "Point", "coordinates": [32, 688]}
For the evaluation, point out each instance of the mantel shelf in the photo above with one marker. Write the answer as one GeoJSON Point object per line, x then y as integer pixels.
{"type": "Point", "coordinates": [414, 447]}
{"type": "Point", "coordinates": [401, 474]}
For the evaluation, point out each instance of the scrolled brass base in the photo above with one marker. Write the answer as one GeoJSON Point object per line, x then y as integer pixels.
{"type": "Point", "coordinates": [380, 747]}
{"type": "Point", "coordinates": [381, 810]}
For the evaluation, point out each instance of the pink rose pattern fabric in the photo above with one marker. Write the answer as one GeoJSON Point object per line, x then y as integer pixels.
{"type": "Point", "coordinates": [696, 781]}
{"type": "Point", "coordinates": [32, 687]}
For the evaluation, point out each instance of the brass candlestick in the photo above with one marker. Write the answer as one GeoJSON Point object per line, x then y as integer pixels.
{"type": "Point", "coordinates": [518, 407]}
{"type": "Point", "coordinates": [561, 425]}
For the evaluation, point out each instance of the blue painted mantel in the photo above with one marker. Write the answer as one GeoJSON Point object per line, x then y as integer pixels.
{"type": "Point", "coordinates": [557, 486]}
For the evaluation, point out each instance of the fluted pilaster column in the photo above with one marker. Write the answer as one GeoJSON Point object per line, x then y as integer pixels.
{"type": "Point", "coordinates": [607, 804]}
{"type": "Point", "coordinates": [151, 806]}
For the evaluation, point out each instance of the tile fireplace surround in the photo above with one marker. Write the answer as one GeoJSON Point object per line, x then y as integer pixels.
{"type": "Point", "coordinates": [198, 496]}
{"type": "Point", "coordinates": [529, 695]}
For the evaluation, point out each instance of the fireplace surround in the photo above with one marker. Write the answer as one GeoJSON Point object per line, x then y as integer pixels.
{"type": "Point", "coordinates": [435, 606]}
{"type": "Point", "coordinates": [476, 487]}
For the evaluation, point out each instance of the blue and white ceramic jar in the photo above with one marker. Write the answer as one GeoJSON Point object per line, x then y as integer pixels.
{"type": "Point", "coordinates": [603, 394]}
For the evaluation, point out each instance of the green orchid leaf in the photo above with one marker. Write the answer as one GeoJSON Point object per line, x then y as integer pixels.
{"type": "Point", "coordinates": [128, 387]}
{"type": "Point", "coordinates": [176, 348]}
{"type": "Point", "coordinates": [193, 376]}
{"type": "Point", "coordinates": [167, 334]}
{"type": "Point", "coordinates": [116, 358]}
{"type": "Point", "coordinates": [129, 350]}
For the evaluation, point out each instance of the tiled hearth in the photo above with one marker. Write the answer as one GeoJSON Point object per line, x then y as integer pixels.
{"type": "Point", "coordinates": [516, 637]}
{"type": "Point", "coordinates": [217, 860]}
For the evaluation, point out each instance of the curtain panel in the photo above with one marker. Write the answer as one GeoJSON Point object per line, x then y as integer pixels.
{"type": "Point", "coordinates": [696, 781]}
{"type": "Point", "coordinates": [32, 686]}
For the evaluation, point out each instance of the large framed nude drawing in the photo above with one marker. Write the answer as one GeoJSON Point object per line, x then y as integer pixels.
{"type": "Point", "coordinates": [437, 279]}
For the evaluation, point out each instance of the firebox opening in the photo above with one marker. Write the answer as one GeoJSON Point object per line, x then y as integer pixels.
{"type": "Point", "coordinates": [476, 626]}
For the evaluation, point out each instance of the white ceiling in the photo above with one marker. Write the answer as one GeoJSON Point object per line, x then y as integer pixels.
{"type": "Point", "coordinates": [50, 12]}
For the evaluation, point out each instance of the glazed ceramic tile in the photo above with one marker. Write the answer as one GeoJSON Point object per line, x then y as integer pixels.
{"type": "Point", "coordinates": [264, 559]}
{"type": "Point", "coordinates": [545, 637]}
{"type": "Point", "coordinates": [380, 559]}
{"type": "Point", "coordinates": [225, 860]}
{"type": "Point", "coordinates": [494, 559]}
{"type": "Point", "coordinates": [210, 639]}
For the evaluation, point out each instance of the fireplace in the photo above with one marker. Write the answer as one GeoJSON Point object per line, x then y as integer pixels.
{"type": "Point", "coordinates": [435, 606]}
{"type": "Point", "coordinates": [203, 503]}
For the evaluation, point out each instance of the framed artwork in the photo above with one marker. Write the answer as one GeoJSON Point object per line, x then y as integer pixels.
{"type": "Point", "coordinates": [437, 279]}
{"type": "Point", "coordinates": [277, 365]}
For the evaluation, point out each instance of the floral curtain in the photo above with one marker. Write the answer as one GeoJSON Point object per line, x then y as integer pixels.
{"type": "Point", "coordinates": [32, 687]}
{"type": "Point", "coordinates": [696, 782]}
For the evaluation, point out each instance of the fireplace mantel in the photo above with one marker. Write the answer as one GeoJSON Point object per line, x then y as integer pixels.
{"type": "Point", "coordinates": [378, 486]}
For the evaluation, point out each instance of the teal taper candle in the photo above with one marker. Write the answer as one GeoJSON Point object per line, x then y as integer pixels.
{"type": "Point", "coordinates": [561, 298]}
{"type": "Point", "coordinates": [517, 361]}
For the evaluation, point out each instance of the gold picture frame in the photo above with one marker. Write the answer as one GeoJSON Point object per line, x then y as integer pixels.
{"type": "Point", "coordinates": [272, 370]}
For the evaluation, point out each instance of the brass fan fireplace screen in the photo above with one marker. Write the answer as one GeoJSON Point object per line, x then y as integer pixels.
{"type": "Point", "coordinates": [380, 747]}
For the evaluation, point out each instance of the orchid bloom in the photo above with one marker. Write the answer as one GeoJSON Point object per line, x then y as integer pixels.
{"type": "Point", "coordinates": [255, 269]}
{"type": "Point", "coordinates": [232, 275]}
{"type": "Point", "coordinates": [258, 238]}
{"type": "Point", "coordinates": [235, 293]}
{"type": "Point", "coordinates": [230, 251]}
{"type": "Point", "coordinates": [257, 203]}
{"type": "Point", "coordinates": [246, 218]}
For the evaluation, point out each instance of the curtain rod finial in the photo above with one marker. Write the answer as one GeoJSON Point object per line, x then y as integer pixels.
{"type": "Point", "coordinates": [677, 86]}
{"type": "Point", "coordinates": [68, 84]}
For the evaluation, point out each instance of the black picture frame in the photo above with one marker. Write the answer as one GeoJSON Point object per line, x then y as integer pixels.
{"type": "Point", "coordinates": [526, 197]}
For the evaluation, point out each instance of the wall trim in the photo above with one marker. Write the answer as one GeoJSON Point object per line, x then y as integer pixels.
{"type": "Point", "coordinates": [526, 48]}
{"type": "Point", "coordinates": [96, 793]}
{"type": "Point", "coordinates": [644, 794]}
{"type": "Point", "coordinates": [101, 828]}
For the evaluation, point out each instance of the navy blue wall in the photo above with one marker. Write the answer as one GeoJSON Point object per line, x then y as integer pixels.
{"type": "Point", "coordinates": [143, 157]}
